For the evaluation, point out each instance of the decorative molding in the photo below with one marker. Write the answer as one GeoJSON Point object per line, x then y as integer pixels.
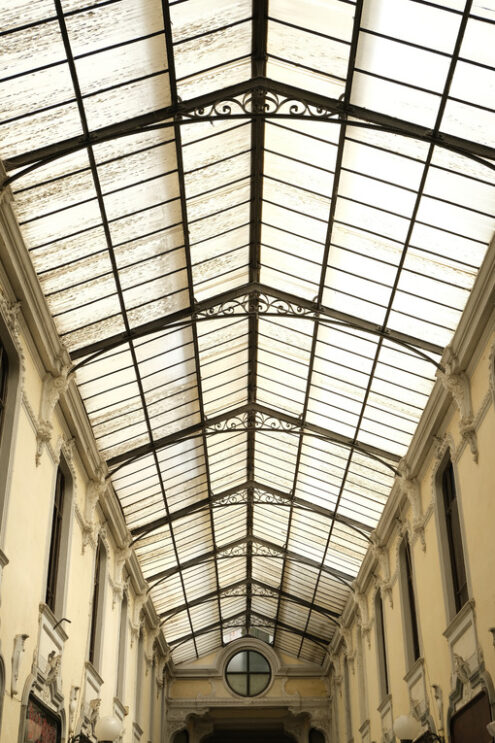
{"type": "Point", "coordinates": [257, 303]}
{"type": "Point", "coordinates": [457, 384]}
{"type": "Point", "coordinates": [54, 386]}
{"type": "Point", "coordinates": [19, 641]}
{"type": "Point", "coordinates": [248, 420]}
{"type": "Point", "coordinates": [380, 553]}
{"type": "Point", "coordinates": [409, 486]}
{"type": "Point", "coordinates": [11, 313]}
{"type": "Point", "coordinates": [260, 100]}
{"type": "Point", "coordinates": [73, 702]}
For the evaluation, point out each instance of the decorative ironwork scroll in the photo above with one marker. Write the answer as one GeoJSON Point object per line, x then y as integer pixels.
{"type": "Point", "coordinates": [260, 101]}
{"type": "Point", "coordinates": [254, 304]}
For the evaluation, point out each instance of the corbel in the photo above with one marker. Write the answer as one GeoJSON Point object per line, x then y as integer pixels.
{"type": "Point", "coordinates": [456, 382]}
{"type": "Point", "coordinates": [54, 386]}
{"type": "Point", "coordinates": [410, 487]}
{"type": "Point", "coordinates": [19, 641]}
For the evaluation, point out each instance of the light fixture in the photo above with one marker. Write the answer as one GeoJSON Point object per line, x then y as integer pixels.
{"type": "Point", "coordinates": [406, 728]}
{"type": "Point", "coordinates": [107, 730]}
{"type": "Point", "coordinates": [490, 728]}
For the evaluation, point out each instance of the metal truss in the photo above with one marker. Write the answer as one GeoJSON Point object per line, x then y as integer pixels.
{"type": "Point", "coordinates": [239, 548]}
{"type": "Point", "coordinates": [239, 494]}
{"type": "Point", "coordinates": [252, 417]}
{"type": "Point", "coordinates": [242, 588]}
{"type": "Point", "coordinates": [233, 621]}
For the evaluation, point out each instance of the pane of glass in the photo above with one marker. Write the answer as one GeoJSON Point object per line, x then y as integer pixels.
{"type": "Point", "coordinates": [258, 682]}
{"type": "Point", "coordinates": [238, 683]}
{"type": "Point", "coordinates": [257, 662]}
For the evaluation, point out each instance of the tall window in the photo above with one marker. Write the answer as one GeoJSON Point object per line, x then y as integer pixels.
{"type": "Point", "coordinates": [139, 674]}
{"type": "Point", "coordinates": [381, 647]}
{"type": "Point", "coordinates": [52, 583]}
{"type": "Point", "coordinates": [97, 607]}
{"type": "Point", "coordinates": [454, 540]}
{"type": "Point", "coordinates": [409, 604]}
{"type": "Point", "coordinates": [347, 689]}
{"type": "Point", "coordinates": [122, 649]}
{"type": "Point", "coordinates": [4, 371]}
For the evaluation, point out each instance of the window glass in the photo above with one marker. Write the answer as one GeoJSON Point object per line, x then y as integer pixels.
{"type": "Point", "coordinates": [248, 673]}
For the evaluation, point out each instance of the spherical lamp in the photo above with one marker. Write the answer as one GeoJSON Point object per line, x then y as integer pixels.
{"type": "Point", "coordinates": [490, 728]}
{"type": "Point", "coordinates": [107, 729]}
{"type": "Point", "coordinates": [406, 728]}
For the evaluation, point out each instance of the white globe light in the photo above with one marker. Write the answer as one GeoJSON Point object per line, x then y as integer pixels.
{"type": "Point", "coordinates": [491, 729]}
{"type": "Point", "coordinates": [406, 727]}
{"type": "Point", "coordinates": [107, 729]}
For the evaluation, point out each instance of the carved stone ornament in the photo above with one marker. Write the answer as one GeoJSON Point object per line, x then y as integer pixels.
{"type": "Point", "coordinates": [410, 487]}
{"type": "Point", "coordinates": [73, 700]}
{"type": "Point", "coordinates": [137, 619]}
{"type": "Point", "coordinates": [19, 641]}
{"type": "Point", "coordinates": [384, 580]}
{"type": "Point", "coordinates": [461, 669]}
{"type": "Point", "coordinates": [54, 385]}
{"type": "Point", "coordinates": [118, 583]}
{"type": "Point", "coordinates": [90, 717]}
{"type": "Point", "coordinates": [52, 667]}
{"type": "Point", "coordinates": [363, 619]}
{"type": "Point", "coordinates": [438, 697]}
{"type": "Point", "coordinates": [457, 384]}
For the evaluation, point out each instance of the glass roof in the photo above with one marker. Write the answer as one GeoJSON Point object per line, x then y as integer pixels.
{"type": "Point", "coordinates": [256, 225]}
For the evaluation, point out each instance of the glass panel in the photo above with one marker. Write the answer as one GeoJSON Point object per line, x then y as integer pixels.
{"type": "Point", "coordinates": [258, 682]}
{"type": "Point", "coordinates": [257, 662]}
{"type": "Point", "coordinates": [238, 683]}
{"type": "Point", "coordinates": [238, 663]}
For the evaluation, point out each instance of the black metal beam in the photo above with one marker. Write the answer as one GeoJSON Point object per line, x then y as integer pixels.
{"type": "Point", "coordinates": [213, 595]}
{"type": "Point", "coordinates": [320, 641]}
{"type": "Point", "coordinates": [258, 68]}
{"type": "Point", "coordinates": [312, 309]}
{"type": "Point", "coordinates": [277, 550]}
{"type": "Point", "coordinates": [215, 501]}
{"type": "Point", "coordinates": [179, 114]}
{"type": "Point", "coordinates": [287, 424]}
{"type": "Point", "coordinates": [324, 264]}
{"type": "Point", "coordinates": [190, 282]}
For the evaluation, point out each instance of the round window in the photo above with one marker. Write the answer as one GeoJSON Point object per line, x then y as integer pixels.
{"type": "Point", "coordinates": [248, 673]}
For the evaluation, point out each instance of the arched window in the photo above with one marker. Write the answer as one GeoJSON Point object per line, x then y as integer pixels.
{"type": "Point", "coordinates": [456, 567]}
{"type": "Point", "coordinates": [95, 637]}
{"type": "Point", "coordinates": [381, 648]}
{"type": "Point", "coordinates": [59, 542]}
{"type": "Point", "coordinates": [409, 604]}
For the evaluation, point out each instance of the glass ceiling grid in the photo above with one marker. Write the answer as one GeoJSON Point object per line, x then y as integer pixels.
{"type": "Point", "coordinates": [446, 86]}
{"type": "Point", "coordinates": [353, 35]}
{"type": "Point", "coordinates": [353, 219]}
{"type": "Point", "coordinates": [175, 64]}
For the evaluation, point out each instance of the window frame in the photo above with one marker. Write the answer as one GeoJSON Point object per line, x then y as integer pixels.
{"type": "Point", "coordinates": [381, 648]}
{"type": "Point", "coordinates": [122, 648]}
{"type": "Point", "coordinates": [10, 419]}
{"type": "Point", "coordinates": [97, 606]}
{"type": "Point", "coordinates": [452, 607]}
{"type": "Point", "coordinates": [408, 594]}
{"type": "Point", "coordinates": [247, 673]}
{"type": "Point", "coordinates": [57, 604]}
